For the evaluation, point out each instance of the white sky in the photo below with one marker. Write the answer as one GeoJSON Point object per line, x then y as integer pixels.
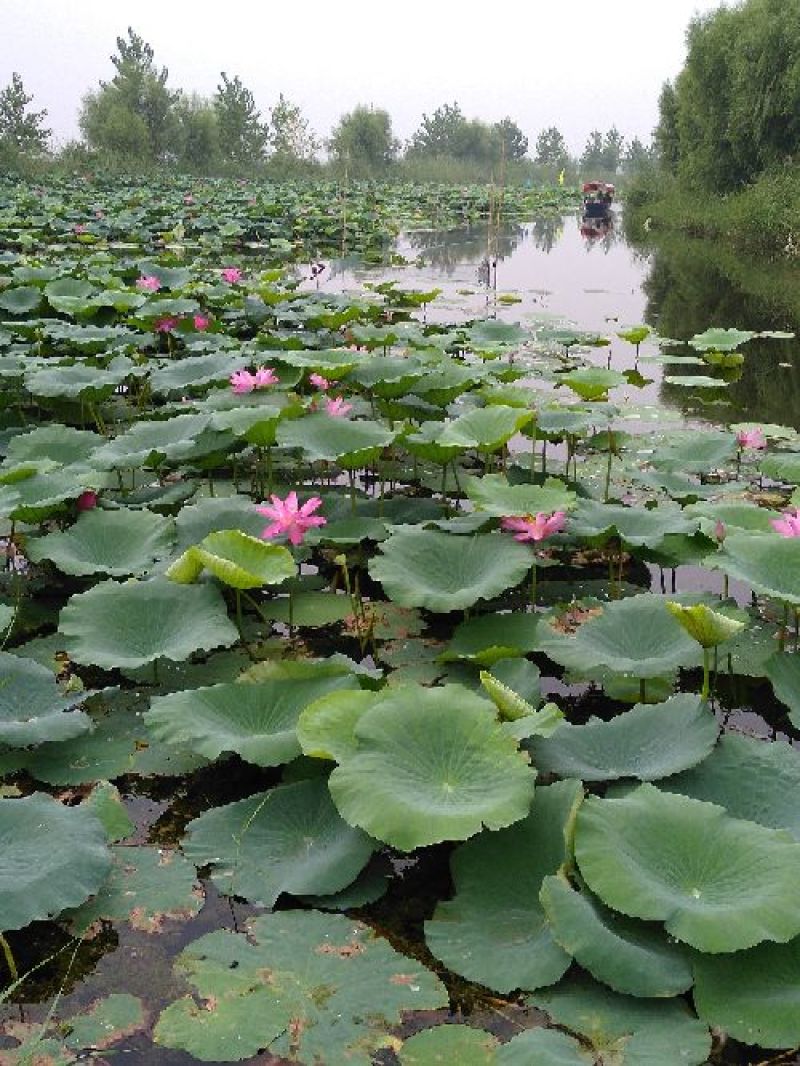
{"type": "Point", "coordinates": [579, 65]}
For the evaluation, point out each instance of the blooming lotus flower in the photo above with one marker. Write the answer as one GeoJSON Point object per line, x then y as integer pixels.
{"type": "Point", "coordinates": [87, 500]}
{"type": "Point", "coordinates": [166, 325]}
{"type": "Point", "coordinates": [751, 439]}
{"type": "Point", "coordinates": [148, 283]}
{"type": "Point", "coordinates": [201, 322]}
{"type": "Point", "coordinates": [264, 377]}
{"type": "Point", "coordinates": [337, 408]}
{"type": "Point", "coordinates": [79, 227]}
{"type": "Point", "coordinates": [538, 527]}
{"type": "Point", "coordinates": [242, 381]}
{"type": "Point", "coordinates": [287, 517]}
{"type": "Point", "coordinates": [188, 198]}
{"type": "Point", "coordinates": [231, 275]}
{"type": "Point", "coordinates": [789, 524]}
{"type": "Point", "coordinates": [319, 382]}
{"type": "Point", "coordinates": [720, 532]}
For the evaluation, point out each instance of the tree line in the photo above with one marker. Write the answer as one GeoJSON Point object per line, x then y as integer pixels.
{"type": "Point", "coordinates": [138, 120]}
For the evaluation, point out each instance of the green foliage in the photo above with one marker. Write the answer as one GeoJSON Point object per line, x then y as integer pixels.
{"type": "Point", "coordinates": [551, 148]}
{"type": "Point", "coordinates": [242, 135]}
{"type": "Point", "coordinates": [362, 142]}
{"type": "Point", "coordinates": [290, 138]}
{"type": "Point", "coordinates": [21, 130]}
{"type": "Point", "coordinates": [448, 134]}
{"type": "Point", "coordinates": [603, 151]}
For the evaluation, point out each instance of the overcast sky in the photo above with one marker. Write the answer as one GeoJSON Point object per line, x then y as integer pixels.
{"type": "Point", "coordinates": [578, 65]}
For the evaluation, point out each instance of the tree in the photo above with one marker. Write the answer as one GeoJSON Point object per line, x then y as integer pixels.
{"type": "Point", "coordinates": [134, 114]}
{"type": "Point", "coordinates": [197, 143]}
{"type": "Point", "coordinates": [243, 136]}
{"type": "Point", "coordinates": [638, 156]}
{"type": "Point", "coordinates": [512, 142]}
{"type": "Point", "coordinates": [20, 129]}
{"type": "Point", "coordinates": [551, 149]}
{"type": "Point", "coordinates": [363, 139]}
{"type": "Point", "coordinates": [603, 151]}
{"type": "Point", "coordinates": [289, 134]}
{"type": "Point", "coordinates": [665, 135]}
{"type": "Point", "coordinates": [439, 134]}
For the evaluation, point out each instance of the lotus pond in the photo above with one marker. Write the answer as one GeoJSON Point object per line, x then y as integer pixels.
{"type": "Point", "coordinates": [387, 676]}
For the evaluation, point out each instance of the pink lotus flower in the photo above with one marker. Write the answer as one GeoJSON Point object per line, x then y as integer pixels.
{"type": "Point", "coordinates": [148, 283]}
{"type": "Point", "coordinates": [265, 376]}
{"type": "Point", "coordinates": [751, 438]}
{"type": "Point", "coordinates": [231, 275]}
{"type": "Point", "coordinates": [87, 500]}
{"type": "Point", "coordinates": [789, 524]}
{"type": "Point", "coordinates": [535, 528]}
{"type": "Point", "coordinates": [188, 198]}
{"type": "Point", "coordinates": [290, 519]}
{"type": "Point", "coordinates": [242, 381]}
{"type": "Point", "coordinates": [165, 325]}
{"type": "Point", "coordinates": [319, 382]}
{"type": "Point", "coordinates": [201, 322]}
{"type": "Point", "coordinates": [720, 532]}
{"type": "Point", "coordinates": [337, 408]}
{"type": "Point", "coordinates": [79, 227]}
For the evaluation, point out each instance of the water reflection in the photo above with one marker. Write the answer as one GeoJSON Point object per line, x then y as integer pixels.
{"type": "Point", "coordinates": [446, 251]}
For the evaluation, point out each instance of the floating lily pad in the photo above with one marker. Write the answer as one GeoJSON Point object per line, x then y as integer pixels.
{"type": "Point", "coordinates": [262, 991]}
{"type": "Point", "coordinates": [54, 857]}
{"type": "Point", "coordinates": [543, 1047]}
{"type": "Point", "coordinates": [106, 1022]}
{"type": "Point", "coordinates": [718, 883]}
{"type": "Point", "coordinates": [460, 1044]}
{"type": "Point", "coordinates": [290, 839]}
{"type": "Point", "coordinates": [431, 765]}
{"type": "Point", "coordinates": [117, 543]}
{"type": "Point", "coordinates": [427, 568]}
{"type": "Point", "coordinates": [494, 930]}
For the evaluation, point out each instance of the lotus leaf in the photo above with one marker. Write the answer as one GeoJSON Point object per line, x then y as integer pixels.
{"type": "Point", "coordinates": [60, 444]}
{"type": "Point", "coordinates": [138, 622]}
{"type": "Point", "coordinates": [310, 608]}
{"type": "Point", "coordinates": [634, 636]}
{"type": "Point", "coordinates": [208, 515]}
{"type": "Point", "coordinates": [150, 442]}
{"type": "Point", "coordinates": [522, 720]}
{"type": "Point", "coordinates": [494, 494]}
{"type": "Point", "coordinates": [69, 295]}
{"type": "Point", "coordinates": [20, 299]}
{"type": "Point", "coordinates": [147, 887]}
{"type": "Point", "coordinates": [54, 857]}
{"type": "Point", "coordinates": [366, 983]}
{"type": "Point", "coordinates": [767, 562]}
{"type": "Point", "coordinates": [648, 742]}
{"type": "Point", "coordinates": [489, 638]}
{"type": "Point", "coordinates": [485, 428]}
{"type": "Point", "coordinates": [696, 451]}
{"type": "Point", "coordinates": [455, 1043]}
{"type": "Point", "coordinates": [494, 931]}
{"type": "Point", "coordinates": [108, 1021]}
{"type": "Point", "coordinates": [256, 720]}
{"type": "Point", "coordinates": [592, 383]}
{"type": "Point", "coordinates": [628, 956]}
{"type": "Point", "coordinates": [37, 496]}
{"type": "Point", "coordinates": [290, 839]}
{"type": "Point", "coordinates": [326, 727]}
{"type": "Point", "coordinates": [783, 672]}
{"type": "Point", "coordinates": [348, 442]}
{"type": "Point", "coordinates": [624, 1030]}
{"type": "Point", "coordinates": [117, 543]}
{"type": "Point", "coordinates": [428, 568]}
{"type": "Point", "coordinates": [235, 559]}
{"type": "Point", "coordinates": [633, 525]}
{"type": "Point", "coordinates": [431, 765]}
{"type": "Point", "coordinates": [33, 708]}
{"type": "Point", "coordinates": [718, 883]}
{"type": "Point", "coordinates": [543, 1047]}
{"type": "Point", "coordinates": [751, 778]}
{"type": "Point", "coordinates": [782, 466]}
{"type": "Point", "coordinates": [754, 995]}
{"type": "Point", "coordinates": [106, 802]}
{"type": "Point", "coordinates": [720, 340]}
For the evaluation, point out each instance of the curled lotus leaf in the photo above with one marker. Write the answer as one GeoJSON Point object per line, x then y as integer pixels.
{"type": "Point", "coordinates": [431, 765]}
{"type": "Point", "coordinates": [235, 559]}
{"type": "Point", "coordinates": [718, 883]}
{"type": "Point", "coordinates": [54, 857]}
{"type": "Point", "coordinates": [708, 627]}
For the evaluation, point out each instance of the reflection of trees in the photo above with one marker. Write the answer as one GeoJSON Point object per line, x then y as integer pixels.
{"type": "Point", "coordinates": [446, 250]}
{"type": "Point", "coordinates": [696, 284]}
{"type": "Point", "coordinates": [546, 232]}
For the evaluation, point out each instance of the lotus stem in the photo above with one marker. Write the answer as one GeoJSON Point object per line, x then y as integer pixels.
{"type": "Point", "coordinates": [706, 674]}
{"type": "Point", "coordinates": [444, 491]}
{"type": "Point", "coordinates": [351, 474]}
{"type": "Point", "coordinates": [533, 584]}
{"type": "Point", "coordinates": [9, 957]}
{"type": "Point", "coordinates": [607, 486]}
{"type": "Point", "coordinates": [156, 680]}
{"type": "Point", "coordinates": [784, 628]}
{"type": "Point", "coordinates": [725, 586]}
{"type": "Point", "coordinates": [269, 470]}
{"type": "Point", "coordinates": [239, 618]}
{"type": "Point", "coordinates": [642, 690]}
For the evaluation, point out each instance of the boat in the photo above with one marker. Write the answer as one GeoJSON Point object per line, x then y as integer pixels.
{"type": "Point", "coordinates": [597, 199]}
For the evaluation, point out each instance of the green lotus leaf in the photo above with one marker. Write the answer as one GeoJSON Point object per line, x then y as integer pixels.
{"type": "Point", "coordinates": [333, 363]}
{"type": "Point", "coordinates": [718, 883]}
{"type": "Point", "coordinates": [194, 372]}
{"type": "Point", "coordinates": [130, 624]}
{"type": "Point", "coordinates": [170, 277]}
{"type": "Point", "coordinates": [81, 380]}
{"type": "Point", "coordinates": [197, 520]}
{"type": "Point", "coordinates": [108, 1021]}
{"type": "Point", "coordinates": [628, 956]}
{"type": "Point", "coordinates": [106, 802]}
{"type": "Point", "coordinates": [149, 442]}
{"type": "Point", "coordinates": [20, 299]}
{"type": "Point", "coordinates": [709, 628]}
{"type": "Point", "coordinates": [310, 608]}
{"type": "Point", "coordinates": [592, 383]}
{"type": "Point", "coordinates": [494, 930]}
{"type": "Point", "coordinates": [783, 672]}
{"type": "Point", "coordinates": [33, 707]}
{"type": "Point", "coordinates": [235, 559]}
{"type": "Point", "coordinates": [555, 423]}
{"type": "Point", "coordinates": [370, 885]}
{"type": "Point", "coordinates": [720, 340]}
{"type": "Point", "coordinates": [290, 839]}
{"type": "Point", "coordinates": [39, 495]}
{"type": "Point", "coordinates": [649, 742]}
{"type": "Point", "coordinates": [117, 543]}
{"type": "Point", "coordinates": [160, 307]}
{"type": "Point", "coordinates": [425, 444]}
{"type": "Point", "coordinates": [488, 638]}
{"type": "Point", "coordinates": [734, 516]}
{"type": "Point", "coordinates": [520, 675]}
{"type": "Point", "coordinates": [490, 333]}
{"type": "Point", "coordinates": [257, 721]}
{"type": "Point", "coordinates": [147, 887]}
{"type": "Point", "coordinates": [625, 1030]}
{"type": "Point", "coordinates": [753, 996]}
{"type": "Point", "coordinates": [782, 466]}
{"type": "Point", "coordinates": [431, 765]}
{"type": "Point", "coordinates": [334, 993]}
{"type": "Point", "coordinates": [258, 425]}
{"type": "Point", "coordinates": [753, 779]}
{"type": "Point", "coordinates": [326, 727]}
{"type": "Point", "coordinates": [635, 636]}
{"type": "Point", "coordinates": [543, 1047]}
{"type": "Point", "coordinates": [484, 428]}
{"type": "Point", "coordinates": [695, 381]}
{"type": "Point", "coordinates": [59, 444]}
{"type": "Point", "coordinates": [346, 441]}
{"type": "Point", "coordinates": [633, 525]}
{"type": "Point", "coordinates": [768, 562]}
{"type": "Point", "coordinates": [70, 296]}
{"type": "Point", "coordinates": [514, 709]}
{"type": "Point", "coordinates": [696, 451]}
{"type": "Point", "coordinates": [440, 571]}
{"type": "Point", "coordinates": [54, 857]}
{"type": "Point", "coordinates": [495, 495]}
{"type": "Point", "coordinates": [450, 1043]}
